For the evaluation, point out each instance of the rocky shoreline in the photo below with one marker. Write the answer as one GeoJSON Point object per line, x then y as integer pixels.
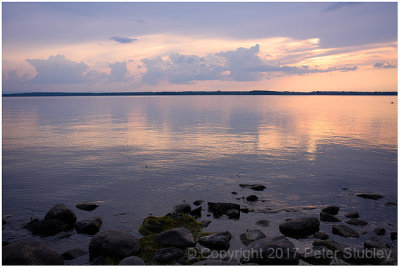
{"type": "Point", "coordinates": [178, 238]}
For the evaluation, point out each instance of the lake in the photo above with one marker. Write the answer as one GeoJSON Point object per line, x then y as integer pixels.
{"type": "Point", "coordinates": [143, 155]}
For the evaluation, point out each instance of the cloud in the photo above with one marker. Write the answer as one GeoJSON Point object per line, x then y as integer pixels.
{"type": "Point", "coordinates": [384, 65]}
{"type": "Point", "coordinates": [119, 72]}
{"type": "Point", "coordinates": [340, 5]}
{"type": "Point", "coordinates": [123, 40]}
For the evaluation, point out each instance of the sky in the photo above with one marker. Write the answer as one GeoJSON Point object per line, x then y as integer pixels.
{"type": "Point", "coordinates": [112, 47]}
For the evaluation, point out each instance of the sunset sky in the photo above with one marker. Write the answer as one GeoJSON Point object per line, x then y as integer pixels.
{"type": "Point", "coordinates": [96, 47]}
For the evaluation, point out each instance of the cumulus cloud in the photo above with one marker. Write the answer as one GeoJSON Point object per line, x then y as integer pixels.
{"type": "Point", "coordinates": [122, 40]}
{"type": "Point", "coordinates": [384, 65]}
{"type": "Point", "coordinates": [119, 72]}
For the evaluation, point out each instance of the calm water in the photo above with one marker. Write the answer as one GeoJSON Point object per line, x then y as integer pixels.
{"type": "Point", "coordinates": [143, 155]}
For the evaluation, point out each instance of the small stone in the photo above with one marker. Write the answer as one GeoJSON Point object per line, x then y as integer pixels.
{"type": "Point", "coordinates": [246, 210]}
{"type": "Point", "coordinates": [233, 214]}
{"type": "Point", "coordinates": [379, 231]}
{"type": "Point", "coordinates": [300, 227]}
{"type": "Point", "coordinates": [252, 198]}
{"type": "Point", "coordinates": [132, 260]}
{"type": "Point", "coordinates": [373, 242]}
{"type": "Point", "coordinates": [352, 215]}
{"type": "Point", "coordinates": [205, 223]}
{"type": "Point", "coordinates": [216, 241]}
{"type": "Point", "coordinates": [344, 231]}
{"type": "Point", "coordinates": [345, 188]}
{"type": "Point", "coordinates": [255, 187]}
{"type": "Point", "coordinates": [89, 227]}
{"type": "Point", "coordinates": [323, 216]}
{"type": "Point", "coordinates": [234, 193]}
{"type": "Point", "coordinates": [177, 237]}
{"type": "Point", "coordinates": [263, 223]}
{"type": "Point", "coordinates": [357, 222]}
{"type": "Point", "coordinates": [73, 253]}
{"type": "Point", "coordinates": [390, 204]}
{"type": "Point", "coordinates": [373, 196]}
{"type": "Point", "coordinates": [198, 202]}
{"type": "Point", "coordinates": [333, 210]}
{"type": "Point", "coordinates": [251, 236]}
{"type": "Point", "coordinates": [89, 206]}
{"type": "Point", "coordinates": [182, 208]}
{"type": "Point", "coordinates": [393, 236]}
{"type": "Point", "coordinates": [321, 235]}
{"type": "Point", "coordinates": [167, 255]}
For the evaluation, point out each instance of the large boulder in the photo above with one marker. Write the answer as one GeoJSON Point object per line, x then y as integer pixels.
{"type": "Point", "coordinates": [89, 227]}
{"type": "Point", "coordinates": [177, 237]}
{"type": "Point", "coordinates": [62, 213]}
{"type": "Point", "coordinates": [73, 253]}
{"type": "Point", "coordinates": [30, 253]}
{"type": "Point", "coordinates": [113, 243]}
{"type": "Point", "coordinates": [216, 241]}
{"type": "Point", "coordinates": [250, 236]}
{"type": "Point", "coordinates": [272, 251]}
{"type": "Point", "coordinates": [301, 227]}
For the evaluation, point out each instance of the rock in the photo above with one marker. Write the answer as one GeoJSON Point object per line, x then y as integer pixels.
{"type": "Point", "coordinates": [198, 202]}
{"type": "Point", "coordinates": [393, 236]}
{"type": "Point", "coordinates": [379, 231]}
{"type": "Point", "coordinates": [323, 216]}
{"type": "Point", "coordinates": [333, 210]}
{"type": "Point", "coordinates": [73, 253]}
{"type": "Point", "coordinates": [357, 222]}
{"type": "Point", "coordinates": [309, 207]}
{"type": "Point", "coordinates": [89, 206]}
{"type": "Point", "coordinates": [255, 187]}
{"type": "Point", "coordinates": [234, 193]}
{"type": "Point", "coordinates": [374, 242]}
{"type": "Point", "coordinates": [246, 210]}
{"type": "Point", "coordinates": [352, 215]}
{"type": "Point", "coordinates": [47, 227]}
{"type": "Point", "coordinates": [177, 237]}
{"type": "Point", "coordinates": [300, 227]}
{"type": "Point", "coordinates": [62, 213]}
{"type": "Point", "coordinates": [27, 252]}
{"type": "Point", "coordinates": [252, 198]}
{"type": "Point", "coordinates": [250, 236]}
{"type": "Point", "coordinates": [321, 235]}
{"type": "Point", "coordinates": [233, 214]}
{"type": "Point", "coordinates": [196, 212]}
{"type": "Point", "coordinates": [391, 204]}
{"type": "Point", "coordinates": [272, 251]}
{"type": "Point", "coordinates": [373, 196]}
{"type": "Point", "coordinates": [182, 208]}
{"type": "Point", "coordinates": [263, 223]}
{"type": "Point", "coordinates": [205, 223]}
{"type": "Point", "coordinates": [167, 255]}
{"type": "Point", "coordinates": [89, 227]}
{"type": "Point", "coordinates": [132, 260]}
{"type": "Point", "coordinates": [98, 261]}
{"type": "Point", "coordinates": [214, 263]}
{"type": "Point", "coordinates": [216, 241]}
{"type": "Point", "coordinates": [114, 244]}
{"type": "Point", "coordinates": [317, 255]}
{"type": "Point", "coordinates": [344, 231]}
{"type": "Point", "coordinates": [219, 209]}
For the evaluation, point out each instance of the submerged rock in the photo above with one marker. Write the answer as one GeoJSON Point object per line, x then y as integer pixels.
{"type": "Point", "coordinates": [233, 214]}
{"type": "Point", "coordinates": [323, 216]}
{"type": "Point", "coordinates": [255, 187]}
{"type": "Point", "coordinates": [252, 198]}
{"type": "Point", "coordinates": [177, 237]}
{"type": "Point", "coordinates": [89, 227]}
{"type": "Point", "coordinates": [321, 235]}
{"type": "Point", "coordinates": [114, 244]}
{"type": "Point", "coordinates": [344, 231]}
{"type": "Point", "coordinates": [73, 253]}
{"type": "Point", "coordinates": [250, 236]}
{"type": "Point", "coordinates": [219, 209]}
{"type": "Point", "coordinates": [301, 227]}
{"type": "Point", "coordinates": [373, 196]}
{"type": "Point", "coordinates": [379, 231]}
{"type": "Point", "coordinates": [263, 223]}
{"type": "Point", "coordinates": [352, 215]}
{"type": "Point", "coordinates": [132, 260]}
{"type": "Point", "coordinates": [167, 255]}
{"type": "Point", "coordinates": [357, 222]}
{"type": "Point", "coordinates": [89, 206]}
{"type": "Point", "coordinates": [46, 227]}
{"type": "Point", "coordinates": [216, 241]}
{"type": "Point", "coordinates": [30, 253]}
{"type": "Point", "coordinates": [182, 208]}
{"type": "Point", "coordinates": [62, 213]}
{"type": "Point", "coordinates": [333, 210]}
{"type": "Point", "coordinates": [374, 242]}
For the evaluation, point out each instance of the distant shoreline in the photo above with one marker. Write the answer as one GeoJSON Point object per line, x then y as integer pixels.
{"type": "Point", "coordinates": [201, 93]}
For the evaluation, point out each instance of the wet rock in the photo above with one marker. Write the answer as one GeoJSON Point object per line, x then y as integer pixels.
{"type": "Point", "coordinates": [344, 231]}
{"type": "Point", "coordinates": [30, 253]}
{"type": "Point", "coordinates": [357, 222]}
{"type": "Point", "coordinates": [269, 252]}
{"type": "Point", "coordinates": [47, 227]}
{"type": "Point", "coordinates": [89, 227]}
{"type": "Point", "coordinates": [182, 208]}
{"type": "Point", "coordinates": [250, 236]}
{"type": "Point", "coordinates": [132, 260]}
{"type": "Point", "coordinates": [379, 231]}
{"type": "Point", "coordinates": [216, 241]}
{"type": "Point", "coordinates": [89, 206]}
{"type": "Point", "coordinates": [73, 253]}
{"type": "Point", "coordinates": [352, 215]}
{"type": "Point", "coordinates": [390, 204]}
{"type": "Point", "coordinates": [62, 213]}
{"type": "Point", "coordinates": [198, 202]}
{"type": "Point", "coordinates": [98, 261]}
{"type": "Point", "coordinates": [321, 235]}
{"type": "Point", "coordinates": [252, 198]}
{"type": "Point", "coordinates": [205, 223]}
{"type": "Point", "coordinates": [317, 255]}
{"type": "Point", "coordinates": [196, 212]}
{"type": "Point", "coordinates": [167, 255]}
{"type": "Point", "coordinates": [373, 196]}
{"type": "Point", "coordinates": [234, 193]}
{"type": "Point", "coordinates": [333, 210]}
{"type": "Point", "coordinates": [219, 209]}
{"type": "Point", "coordinates": [177, 237]}
{"type": "Point", "coordinates": [233, 214]}
{"type": "Point", "coordinates": [246, 210]}
{"type": "Point", "coordinates": [263, 223]}
{"type": "Point", "coordinates": [113, 243]}
{"type": "Point", "coordinates": [300, 227]}
{"type": "Point", "coordinates": [374, 242]}
{"type": "Point", "coordinates": [323, 216]}
{"type": "Point", "coordinates": [393, 236]}
{"type": "Point", "coordinates": [255, 187]}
